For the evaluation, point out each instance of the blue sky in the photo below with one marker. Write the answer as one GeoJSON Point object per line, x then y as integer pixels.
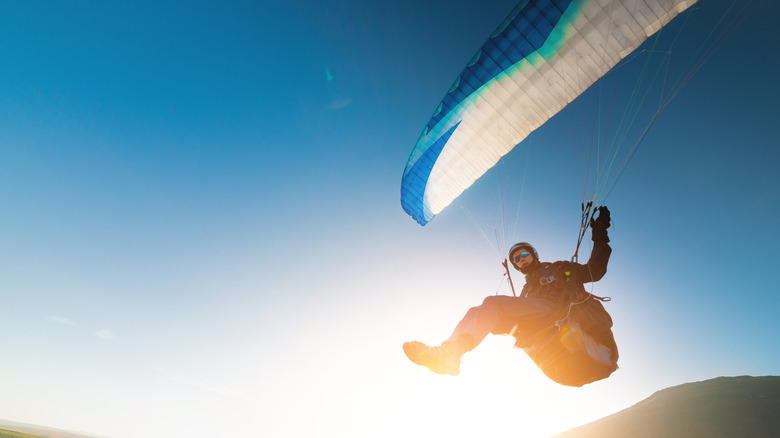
{"type": "Point", "coordinates": [201, 228]}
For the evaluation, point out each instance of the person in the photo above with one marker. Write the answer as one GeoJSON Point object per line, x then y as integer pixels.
{"type": "Point", "coordinates": [549, 290]}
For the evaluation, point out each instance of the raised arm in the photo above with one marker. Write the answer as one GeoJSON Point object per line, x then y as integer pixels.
{"type": "Point", "coordinates": [596, 266]}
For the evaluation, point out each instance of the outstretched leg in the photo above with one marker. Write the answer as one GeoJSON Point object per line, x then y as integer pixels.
{"type": "Point", "coordinates": [498, 314]}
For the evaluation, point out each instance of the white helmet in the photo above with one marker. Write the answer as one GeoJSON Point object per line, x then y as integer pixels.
{"type": "Point", "coordinates": [523, 245]}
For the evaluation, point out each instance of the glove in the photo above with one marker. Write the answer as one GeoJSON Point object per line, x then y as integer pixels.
{"type": "Point", "coordinates": [603, 220]}
{"type": "Point", "coordinates": [599, 225]}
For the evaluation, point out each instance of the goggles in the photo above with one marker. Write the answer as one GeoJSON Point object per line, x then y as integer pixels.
{"type": "Point", "coordinates": [520, 255]}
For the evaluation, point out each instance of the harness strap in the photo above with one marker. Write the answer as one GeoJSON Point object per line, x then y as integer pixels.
{"type": "Point", "coordinates": [509, 276]}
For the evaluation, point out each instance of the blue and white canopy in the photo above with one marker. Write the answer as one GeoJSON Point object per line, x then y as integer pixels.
{"type": "Point", "coordinates": [541, 57]}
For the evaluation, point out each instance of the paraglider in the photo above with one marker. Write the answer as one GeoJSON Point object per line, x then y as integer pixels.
{"type": "Point", "coordinates": [563, 328]}
{"type": "Point", "coordinates": [539, 59]}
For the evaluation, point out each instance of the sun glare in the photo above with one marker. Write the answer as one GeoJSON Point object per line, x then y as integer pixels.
{"type": "Point", "coordinates": [499, 390]}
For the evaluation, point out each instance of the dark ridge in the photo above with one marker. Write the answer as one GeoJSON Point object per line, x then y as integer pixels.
{"type": "Point", "coordinates": [725, 407]}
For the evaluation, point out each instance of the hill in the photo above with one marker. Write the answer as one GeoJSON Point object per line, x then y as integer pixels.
{"type": "Point", "coordinates": [17, 430]}
{"type": "Point", "coordinates": [724, 407]}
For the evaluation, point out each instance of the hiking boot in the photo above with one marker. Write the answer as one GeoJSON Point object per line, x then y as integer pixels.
{"type": "Point", "coordinates": [440, 360]}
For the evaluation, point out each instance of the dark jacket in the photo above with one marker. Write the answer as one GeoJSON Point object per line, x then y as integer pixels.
{"type": "Point", "coordinates": [562, 282]}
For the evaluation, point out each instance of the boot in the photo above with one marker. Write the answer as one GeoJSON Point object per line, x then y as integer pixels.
{"type": "Point", "coordinates": [440, 360]}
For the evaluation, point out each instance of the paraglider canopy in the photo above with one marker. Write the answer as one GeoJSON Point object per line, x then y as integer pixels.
{"type": "Point", "coordinates": [539, 59]}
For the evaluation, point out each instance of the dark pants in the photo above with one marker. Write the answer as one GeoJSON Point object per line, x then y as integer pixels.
{"type": "Point", "coordinates": [503, 315]}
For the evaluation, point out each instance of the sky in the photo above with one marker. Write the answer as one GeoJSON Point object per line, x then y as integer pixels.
{"type": "Point", "coordinates": [202, 234]}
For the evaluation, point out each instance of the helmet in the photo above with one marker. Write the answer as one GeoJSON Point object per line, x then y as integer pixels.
{"type": "Point", "coordinates": [524, 245]}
